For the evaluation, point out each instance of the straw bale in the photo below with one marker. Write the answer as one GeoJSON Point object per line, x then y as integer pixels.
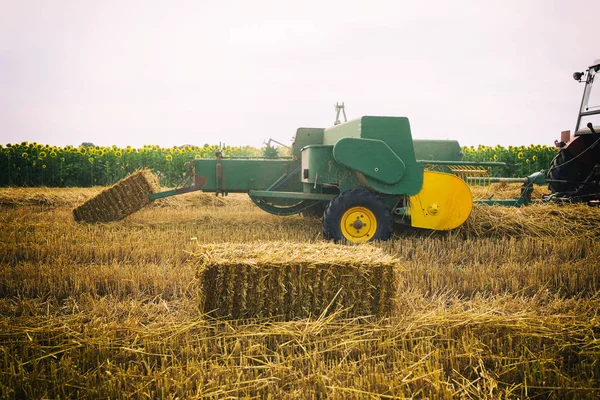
{"type": "Point", "coordinates": [120, 200]}
{"type": "Point", "coordinates": [288, 281]}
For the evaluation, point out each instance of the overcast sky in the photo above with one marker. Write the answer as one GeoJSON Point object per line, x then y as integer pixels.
{"type": "Point", "coordinates": [194, 72]}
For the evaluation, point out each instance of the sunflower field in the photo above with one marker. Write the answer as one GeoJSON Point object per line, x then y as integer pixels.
{"type": "Point", "coordinates": [520, 161]}
{"type": "Point", "coordinates": [33, 164]}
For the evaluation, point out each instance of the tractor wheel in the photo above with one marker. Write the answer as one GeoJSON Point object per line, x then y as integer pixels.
{"type": "Point", "coordinates": [356, 216]}
{"type": "Point", "coordinates": [565, 167]}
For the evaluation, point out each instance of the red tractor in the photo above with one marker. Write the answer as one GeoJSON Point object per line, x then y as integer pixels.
{"type": "Point", "coordinates": [574, 173]}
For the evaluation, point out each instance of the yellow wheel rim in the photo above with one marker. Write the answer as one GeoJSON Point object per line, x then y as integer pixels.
{"type": "Point", "coordinates": [358, 224]}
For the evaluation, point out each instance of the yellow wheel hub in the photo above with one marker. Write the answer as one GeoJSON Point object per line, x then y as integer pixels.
{"type": "Point", "coordinates": [358, 224]}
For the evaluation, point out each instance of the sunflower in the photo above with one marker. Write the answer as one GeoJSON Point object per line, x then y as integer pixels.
{"type": "Point", "coordinates": [42, 154]}
{"type": "Point", "coordinates": [118, 153]}
{"type": "Point", "coordinates": [24, 155]}
{"type": "Point", "coordinates": [91, 160]}
{"type": "Point", "coordinates": [169, 157]}
{"type": "Point", "coordinates": [43, 166]}
{"type": "Point", "coordinates": [520, 155]}
{"type": "Point", "coordinates": [53, 154]}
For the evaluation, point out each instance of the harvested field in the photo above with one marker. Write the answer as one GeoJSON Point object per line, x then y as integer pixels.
{"type": "Point", "coordinates": [536, 220]}
{"type": "Point", "coordinates": [503, 307]}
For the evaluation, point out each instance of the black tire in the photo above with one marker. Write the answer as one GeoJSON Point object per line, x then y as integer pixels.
{"type": "Point", "coordinates": [353, 201]}
{"type": "Point", "coordinates": [565, 167]}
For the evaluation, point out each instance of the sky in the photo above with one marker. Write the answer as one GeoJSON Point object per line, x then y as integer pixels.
{"type": "Point", "coordinates": [240, 72]}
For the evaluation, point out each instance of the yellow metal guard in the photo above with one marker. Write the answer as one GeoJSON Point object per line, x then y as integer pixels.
{"type": "Point", "coordinates": [444, 202]}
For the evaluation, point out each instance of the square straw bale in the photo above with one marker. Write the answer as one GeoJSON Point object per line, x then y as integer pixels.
{"type": "Point", "coordinates": [120, 200]}
{"type": "Point", "coordinates": [289, 281]}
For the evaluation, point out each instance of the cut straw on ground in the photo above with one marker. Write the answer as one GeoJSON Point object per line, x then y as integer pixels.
{"type": "Point", "coordinates": [535, 220]}
{"type": "Point", "coordinates": [111, 310]}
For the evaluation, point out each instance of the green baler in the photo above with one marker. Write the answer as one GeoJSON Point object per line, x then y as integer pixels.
{"type": "Point", "coordinates": [362, 176]}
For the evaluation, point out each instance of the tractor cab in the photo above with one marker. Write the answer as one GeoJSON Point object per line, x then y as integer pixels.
{"type": "Point", "coordinates": [590, 103]}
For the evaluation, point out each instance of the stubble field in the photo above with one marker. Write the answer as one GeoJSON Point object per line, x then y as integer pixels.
{"type": "Point", "coordinates": [505, 306]}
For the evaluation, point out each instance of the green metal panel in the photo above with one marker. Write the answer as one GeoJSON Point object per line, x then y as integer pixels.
{"type": "Point", "coordinates": [373, 158]}
{"type": "Point", "coordinates": [319, 167]}
{"type": "Point", "coordinates": [347, 129]}
{"type": "Point", "coordinates": [240, 175]}
{"type": "Point", "coordinates": [395, 132]}
{"type": "Point", "coordinates": [305, 137]}
{"type": "Point", "coordinates": [446, 150]}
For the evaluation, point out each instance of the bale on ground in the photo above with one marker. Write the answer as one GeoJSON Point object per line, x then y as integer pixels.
{"type": "Point", "coordinates": [120, 200]}
{"type": "Point", "coordinates": [289, 281]}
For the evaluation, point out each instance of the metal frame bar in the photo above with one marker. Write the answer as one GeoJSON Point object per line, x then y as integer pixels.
{"type": "Point", "coordinates": [291, 195]}
{"type": "Point", "coordinates": [173, 192]}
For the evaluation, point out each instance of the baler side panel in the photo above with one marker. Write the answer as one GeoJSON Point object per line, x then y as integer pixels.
{"type": "Point", "coordinates": [348, 129]}
{"type": "Point", "coordinates": [241, 176]}
{"type": "Point", "coordinates": [305, 137]}
{"type": "Point", "coordinates": [319, 167]}
{"type": "Point", "coordinates": [437, 150]}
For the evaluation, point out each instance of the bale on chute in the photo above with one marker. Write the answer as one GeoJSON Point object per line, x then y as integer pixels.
{"type": "Point", "coordinates": [120, 200]}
